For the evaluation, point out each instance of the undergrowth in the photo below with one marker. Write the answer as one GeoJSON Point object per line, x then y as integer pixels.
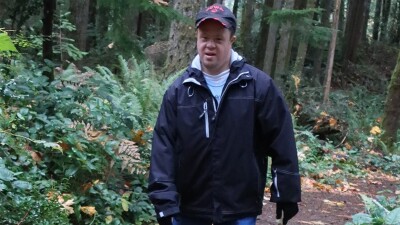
{"type": "Point", "coordinates": [76, 150]}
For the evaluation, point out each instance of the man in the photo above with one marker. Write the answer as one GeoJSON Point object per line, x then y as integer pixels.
{"type": "Point", "coordinates": [217, 124]}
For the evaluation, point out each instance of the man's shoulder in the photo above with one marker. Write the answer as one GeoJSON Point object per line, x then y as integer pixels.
{"type": "Point", "coordinates": [257, 73]}
{"type": "Point", "coordinates": [178, 80]}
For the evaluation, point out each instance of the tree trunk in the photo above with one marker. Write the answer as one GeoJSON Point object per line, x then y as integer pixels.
{"type": "Point", "coordinates": [391, 118]}
{"type": "Point", "coordinates": [365, 26]}
{"type": "Point", "coordinates": [182, 38]}
{"type": "Point", "coordinates": [235, 7]}
{"type": "Point", "coordinates": [303, 45]}
{"type": "Point", "coordinates": [271, 41]}
{"type": "Point", "coordinates": [281, 70]}
{"type": "Point", "coordinates": [263, 35]}
{"type": "Point", "coordinates": [102, 18]}
{"type": "Point", "coordinates": [47, 31]}
{"type": "Point", "coordinates": [331, 53]}
{"type": "Point", "coordinates": [342, 23]}
{"type": "Point", "coordinates": [394, 14]}
{"type": "Point", "coordinates": [377, 20]}
{"type": "Point", "coordinates": [80, 18]}
{"type": "Point", "coordinates": [355, 20]}
{"type": "Point", "coordinates": [91, 40]}
{"type": "Point", "coordinates": [245, 30]}
{"type": "Point", "coordinates": [397, 39]}
{"type": "Point", "coordinates": [385, 19]}
{"type": "Point", "coordinates": [317, 74]}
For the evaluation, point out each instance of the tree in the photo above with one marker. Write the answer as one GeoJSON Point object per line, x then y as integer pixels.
{"type": "Point", "coordinates": [245, 29]}
{"type": "Point", "coordinates": [283, 53]}
{"type": "Point", "coordinates": [47, 31]}
{"type": "Point", "coordinates": [385, 19]}
{"type": "Point", "coordinates": [80, 18]}
{"type": "Point", "coordinates": [303, 41]}
{"type": "Point", "coordinates": [182, 39]}
{"type": "Point", "coordinates": [263, 34]}
{"type": "Point", "coordinates": [318, 51]}
{"type": "Point", "coordinates": [365, 25]}
{"type": "Point", "coordinates": [397, 37]}
{"type": "Point", "coordinates": [391, 118]}
{"type": "Point", "coordinates": [377, 19]}
{"type": "Point", "coordinates": [271, 41]}
{"type": "Point", "coordinates": [331, 52]}
{"type": "Point", "coordinates": [356, 15]}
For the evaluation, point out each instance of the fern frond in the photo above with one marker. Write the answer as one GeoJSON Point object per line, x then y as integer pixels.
{"type": "Point", "coordinates": [128, 152]}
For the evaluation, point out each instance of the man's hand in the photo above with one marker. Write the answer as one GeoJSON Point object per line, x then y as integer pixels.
{"type": "Point", "coordinates": [289, 210]}
{"type": "Point", "coordinates": [165, 220]}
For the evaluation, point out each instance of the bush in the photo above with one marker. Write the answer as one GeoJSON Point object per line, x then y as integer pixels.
{"type": "Point", "coordinates": [76, 151]}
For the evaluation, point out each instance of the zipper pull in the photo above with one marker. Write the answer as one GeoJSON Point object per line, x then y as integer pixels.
{"type": "Point", "coordinates": [204, 110]}
{"type": "Point", "coordinates": [276, 183]}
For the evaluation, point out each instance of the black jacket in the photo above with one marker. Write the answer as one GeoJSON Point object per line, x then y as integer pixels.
{"type": "Point", "coordinates": [210, 160]}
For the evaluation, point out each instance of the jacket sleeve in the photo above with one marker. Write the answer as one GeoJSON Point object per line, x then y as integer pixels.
{"type": "Point", "coordinates": [278, 134]}
{"type": "Point", "coordinates": [162, 189]}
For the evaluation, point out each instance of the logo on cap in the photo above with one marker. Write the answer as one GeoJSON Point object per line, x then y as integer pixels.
{"type": "Point", "coordinates": [215, 8]}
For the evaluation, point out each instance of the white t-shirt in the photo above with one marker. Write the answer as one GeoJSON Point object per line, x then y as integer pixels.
{"type": "Point", "coordinates": [216, 83]}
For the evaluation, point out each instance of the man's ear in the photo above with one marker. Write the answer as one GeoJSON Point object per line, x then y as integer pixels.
{"type": "Point", "coordinates": [233, 39]}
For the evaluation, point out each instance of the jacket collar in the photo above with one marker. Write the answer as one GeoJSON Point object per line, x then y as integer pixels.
{"type": "Point", "coordinates": [195, 75]}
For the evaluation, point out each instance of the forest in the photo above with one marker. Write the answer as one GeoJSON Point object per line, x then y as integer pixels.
{"type": "Point", "coordinates": [81, 83]}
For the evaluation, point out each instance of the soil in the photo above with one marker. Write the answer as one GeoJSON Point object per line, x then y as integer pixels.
{"type": "Point", "coordinates": [323, 204]}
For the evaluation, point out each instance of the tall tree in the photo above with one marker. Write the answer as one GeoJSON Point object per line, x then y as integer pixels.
{"type": "Point", "coordinates": [263, 34]}
{"type": "Point", "coordinates": [235, 7]}
{"type": "Point", "coordinates": [182, 39]}
{"type": "Point", "coordinates": [331, 54]}
{"type": "Point", "coordinates": [377, 19]}
{"type": "Point", "coordinates": [341, 17]}
{"type": "Point", "coordinates": [282, 57]}
{"type": "Point", "coordinates": [49, 7]}
{"type": "Point", "coordinates": [356, 15]}
{"type": "Point", "coordinates": [303, 41]}
{"type": "Point", "coordinates": [397, 38]}
{"type": "Point", "coordinates": [271, 41]}
{"type": "Point", "coordinates": [245, 30]}
{"type": "Point", "coordinates": [366, 20]}
{"type": "Point", "coordinates": [391, 118]}
{"type": "Point", "coordinates": [80, 18]}
{"type": "Point", "coordinates": [385, 19]}
{"type": "Point", "coordinates": [318, 51]}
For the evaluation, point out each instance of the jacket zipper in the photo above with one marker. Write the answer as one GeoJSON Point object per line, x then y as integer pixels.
{"type": "Point", "coordinates": [276, 183]}
{"type": "Point", "coordinates": [227, 86]}
{"type": "Point", "coordinates": [230, 82]}
{"type": "Point", "coordinates": [205, 112]}
{"type": "Point", "coordinates": [206, 124]}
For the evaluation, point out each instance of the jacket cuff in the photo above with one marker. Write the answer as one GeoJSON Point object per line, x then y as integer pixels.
{"type": "Point", "coordinates": [168, 212]}
{"type": "Point", "coordinates": [285, 187]}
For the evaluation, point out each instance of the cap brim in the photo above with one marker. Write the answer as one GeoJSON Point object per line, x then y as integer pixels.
{"type": "Point", "coordinates": [223, 21]}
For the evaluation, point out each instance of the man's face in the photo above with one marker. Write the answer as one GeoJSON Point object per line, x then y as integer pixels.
{"type": "Point", "coordinates": [214, 43]}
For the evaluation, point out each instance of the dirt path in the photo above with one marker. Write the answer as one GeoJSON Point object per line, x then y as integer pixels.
{"type": "Point", "coordinates": [323, 204]}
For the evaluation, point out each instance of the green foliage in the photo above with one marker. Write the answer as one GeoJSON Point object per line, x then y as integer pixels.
{"type": "Point", "coordinates": [63, 44]}
{"type": "Point", "coordinates": [358, 112]}
{"type": "Point", "coordinates": [301, 20]}
{"type": "Point", "coordinates": [122, 37]}
{"type": "Point", "coordinates": [323, 161]}
{"type": "Point", "coordinates": [380, 211]}
{"type": "Point", "coordinates": [61, 144]}
{"type": "Point", "coordinates": [291, 15]}
{"type": "Point", "coordinates": [6, 43]}
{"type": "Point", "coordinates": [21, 193]}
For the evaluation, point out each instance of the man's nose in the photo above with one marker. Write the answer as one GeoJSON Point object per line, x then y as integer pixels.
{"type": "Point", "coordinates": [211, 44]}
